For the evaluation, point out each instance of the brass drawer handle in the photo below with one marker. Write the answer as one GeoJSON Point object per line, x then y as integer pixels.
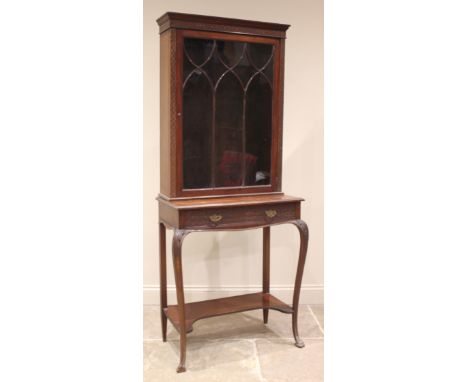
{"type": "Point", "coordinates": [216, 218]}
{"type": "Point", "coordinates": [270, 213]}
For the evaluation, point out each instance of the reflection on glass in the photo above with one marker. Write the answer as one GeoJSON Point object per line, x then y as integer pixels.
{"type": "Point", "coordinates": [258, 130]}
{"type": "Point", "coordinates": [227, 113]}
{"type": "Point", "coordinates": [228, 136]}
{"type": "Point", "coordinates": [230, 52]}
{"type": "Point", "coordinates": [245, 70]}
{"type": "Point", "coordinates": [197, 132]}
{"type": "Point", "coordinates": [260, 54]}
{"type": "Point", "coordinates": [198, 51]}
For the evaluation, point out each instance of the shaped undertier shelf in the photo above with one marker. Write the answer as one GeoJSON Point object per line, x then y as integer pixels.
{"type": "Point", "coordinates": [210, 308]}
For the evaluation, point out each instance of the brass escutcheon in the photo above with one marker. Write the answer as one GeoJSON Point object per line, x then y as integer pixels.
{"type": "Point", "coordinates": [216, 218]}
{"type": "Point", "coordinates": [270, 213]}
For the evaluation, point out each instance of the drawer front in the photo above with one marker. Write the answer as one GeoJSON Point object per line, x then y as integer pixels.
{"type": "Point", "coordinates": [239, 217]}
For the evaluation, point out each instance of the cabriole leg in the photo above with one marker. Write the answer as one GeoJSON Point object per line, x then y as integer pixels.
{"type": "Point", "coordinates": [304, 234]}
{"type": "Point", "coordinates": [266, 267]}
{"type": "Point", "coordinates": [179, 235]}
{"type": "Point", "coordinates": [162, 278]}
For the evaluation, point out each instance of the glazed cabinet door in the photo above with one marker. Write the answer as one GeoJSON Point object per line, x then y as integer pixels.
{"type": "Point", "coordinates": [228, 94]}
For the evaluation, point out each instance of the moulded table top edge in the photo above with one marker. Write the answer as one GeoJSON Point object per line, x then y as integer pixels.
{"type": "Point", "coordinates": [226, 201]}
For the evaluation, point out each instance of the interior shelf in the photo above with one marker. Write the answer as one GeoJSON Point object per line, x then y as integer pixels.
{"type": "Point", "coordinates": [210, 308]}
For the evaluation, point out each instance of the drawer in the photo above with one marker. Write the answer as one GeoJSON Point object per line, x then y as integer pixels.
{"type": "Point", "coordinates": [239, 216]}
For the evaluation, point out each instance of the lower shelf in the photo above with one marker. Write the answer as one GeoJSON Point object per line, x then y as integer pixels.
{"type": "Point", "coordinates": [210, 308]}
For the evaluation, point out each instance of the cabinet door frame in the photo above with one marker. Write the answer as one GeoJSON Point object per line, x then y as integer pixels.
{"type": "Point", "coordinates": [277, 114]}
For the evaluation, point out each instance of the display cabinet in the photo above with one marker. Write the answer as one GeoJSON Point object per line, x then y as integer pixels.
{"type": "Point", "coordinates": [221, 110]}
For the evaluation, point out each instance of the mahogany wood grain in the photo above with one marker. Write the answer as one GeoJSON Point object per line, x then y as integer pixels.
{"type": "Point", "coordinates": [189, 313]}
{"type": "Point", "coordinates": [221, 208]}
{"type": "Point", "coordinates": [162, 278]}
{"type": "Point", "coordinates": [168, 215]}
{"type": "Point", "coordinates": [165, 197]}
{"type": "Point", "coordinates": [220, 201]}
{"type": "Point", "coordinates": [167, 92]}
{"type": "Point", "coordinates": [304, 234]}
{"type": "Point", "coordinates": [177, 126]}
{"type": "Point", "coordinates": [279, 183]}
{"type": "Point", "coordinates": [177, 262]}
{"type": "Point", "coordinates": [210, 308]}
{"type": "Point", "coordinates": [174, 28]}
{"type": "Point", "coordinates": [229, 37]}
{"type": "Point", "coordinates": [266, 267]}
{"type": "Point", "coordinates": [234, 212]}
{"type": "Point", "coordinates": [198, 193]}
{"type": "Point", "coordinates": [220, 24]}
{"type": "Point", "coordinates": [237, 217]}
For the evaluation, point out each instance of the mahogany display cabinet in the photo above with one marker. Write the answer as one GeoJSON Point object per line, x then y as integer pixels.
{"type": "Point", "coordinates": [221, 111]}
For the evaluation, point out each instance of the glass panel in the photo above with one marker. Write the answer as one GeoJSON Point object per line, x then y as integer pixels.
{"type": "Point", "coordinates": [230, 52]}
{"type": "Point", "coordinates": [188, 67]}
{"type": "Point", "coordinates": [228, 138]}
{"type": "Point", "coordinates": [260, 54]}
{"type": "Point", "coordinates": [227, 113]}
{"type": "Point", "coordinates": [245, 70]}
{"type": "Point", "coordinates": [269, 71]}
{"type": "Point", "coordinates": [197, 122]}
{"type": "Point", "coordinates": [198, 51]}
{"type": "Point", "coordinates": [214, 69]}
{"type": "Point", "coordinates": [258, 131]}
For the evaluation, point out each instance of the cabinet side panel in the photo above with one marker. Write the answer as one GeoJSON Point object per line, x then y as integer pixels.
{"type": "Point", "coordinates": [168, 215]}
{"type": "Point", "coordinates": [279, 174]}
{"type": "Point", "coordinates": [167, 162]}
